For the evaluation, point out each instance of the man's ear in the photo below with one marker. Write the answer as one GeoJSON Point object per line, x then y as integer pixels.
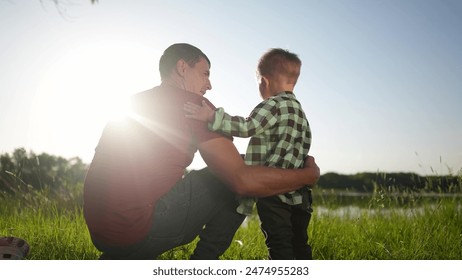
{"type": "Point", "coordinates": [180, 67]}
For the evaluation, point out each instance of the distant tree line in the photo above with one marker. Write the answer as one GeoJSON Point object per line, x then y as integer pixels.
{"type": "Point", "coordinates": [22, 168]}
{"type": "Point", "coordinates": [27, 169]}
{"type": "Point", "coordinates": [367, 182]}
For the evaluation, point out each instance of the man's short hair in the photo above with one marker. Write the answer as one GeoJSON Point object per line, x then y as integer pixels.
{"type": "Point", "coordinates": [278, 61]}
{"type": "Point", "coordinates": [189, 53]}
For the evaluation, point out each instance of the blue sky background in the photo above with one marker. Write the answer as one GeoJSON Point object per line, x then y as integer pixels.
{"type": "Point", "coordinates": [381, 81]}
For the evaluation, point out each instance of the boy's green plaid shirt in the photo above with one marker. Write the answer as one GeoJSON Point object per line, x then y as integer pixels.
{"type": "Point", "coordinates": [281, 137]}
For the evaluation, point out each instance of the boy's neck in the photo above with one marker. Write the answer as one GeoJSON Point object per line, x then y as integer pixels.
{"type": "Point", "coordinates": [280, 90]}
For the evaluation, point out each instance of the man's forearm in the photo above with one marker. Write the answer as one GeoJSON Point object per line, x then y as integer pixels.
{"type": "Point", "coordinates": [225, 161]}
{"type": "Point", "coordinates": [263, 181]}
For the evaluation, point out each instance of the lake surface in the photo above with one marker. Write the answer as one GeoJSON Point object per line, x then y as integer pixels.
{"type": "Point", "coordinates": [353, 204]}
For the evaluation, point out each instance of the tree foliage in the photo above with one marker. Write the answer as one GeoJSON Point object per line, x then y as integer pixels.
{"type": "Point", "coordinates": [22, 168]}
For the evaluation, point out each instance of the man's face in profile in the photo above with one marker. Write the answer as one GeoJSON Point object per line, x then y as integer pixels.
{"type": "Point", "coordinates": [196, 78]}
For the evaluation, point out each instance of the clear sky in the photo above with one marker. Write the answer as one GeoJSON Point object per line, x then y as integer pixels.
{"type": "Point", "coordinates": [381, 81]}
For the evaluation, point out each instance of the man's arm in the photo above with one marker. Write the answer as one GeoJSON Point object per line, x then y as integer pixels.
{"type": "Point", "coordinates": [224, 160]}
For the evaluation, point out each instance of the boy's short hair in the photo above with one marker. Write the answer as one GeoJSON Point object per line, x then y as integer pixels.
{"type": "Point", "coordinates": [174, 53]}
{"type": "Point", "coordinates": [279, 61]}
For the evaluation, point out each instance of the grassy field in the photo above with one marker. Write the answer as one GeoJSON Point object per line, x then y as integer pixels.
{"type": "Point", "coordinates": [387, 227]}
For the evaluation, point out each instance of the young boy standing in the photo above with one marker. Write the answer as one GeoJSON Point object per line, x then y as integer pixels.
{"type": "Point", "coordinates": [281, 137]}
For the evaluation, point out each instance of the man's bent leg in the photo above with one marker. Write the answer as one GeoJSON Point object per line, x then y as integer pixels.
{"type": "Point", "coordinates": [182, 213]}
{"type": "Point", "coordinates": [222, 222]}
{"type": "Point", "coordinates": [217, 234]}
{"type": "Point", "coordinates": [169, 219]}
{"type": "Point", "coordinates": [168, 226]}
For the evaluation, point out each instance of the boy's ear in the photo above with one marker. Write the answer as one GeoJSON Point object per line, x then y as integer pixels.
{"type": "Point", "coordinates": [264, 81]}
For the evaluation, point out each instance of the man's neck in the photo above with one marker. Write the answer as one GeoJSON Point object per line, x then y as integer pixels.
{"type": "Point", "coordinates": [172, 82]}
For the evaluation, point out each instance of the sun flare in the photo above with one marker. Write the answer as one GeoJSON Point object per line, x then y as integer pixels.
{"type": "Point", "coordinates": [87, 86]}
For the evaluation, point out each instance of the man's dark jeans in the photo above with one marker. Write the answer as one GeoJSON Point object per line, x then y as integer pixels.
{"type": "Point", "coordinates": [199, 205]}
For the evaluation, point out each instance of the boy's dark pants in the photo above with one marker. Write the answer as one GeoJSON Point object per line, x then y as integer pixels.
{"type": "Point", "coordinates": [285, 227]}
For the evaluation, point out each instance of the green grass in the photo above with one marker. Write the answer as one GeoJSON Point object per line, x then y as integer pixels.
{"type": "Point", "coordinates": [53, 224]}
{"type": "Point", "coordinates": [430, 233]}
